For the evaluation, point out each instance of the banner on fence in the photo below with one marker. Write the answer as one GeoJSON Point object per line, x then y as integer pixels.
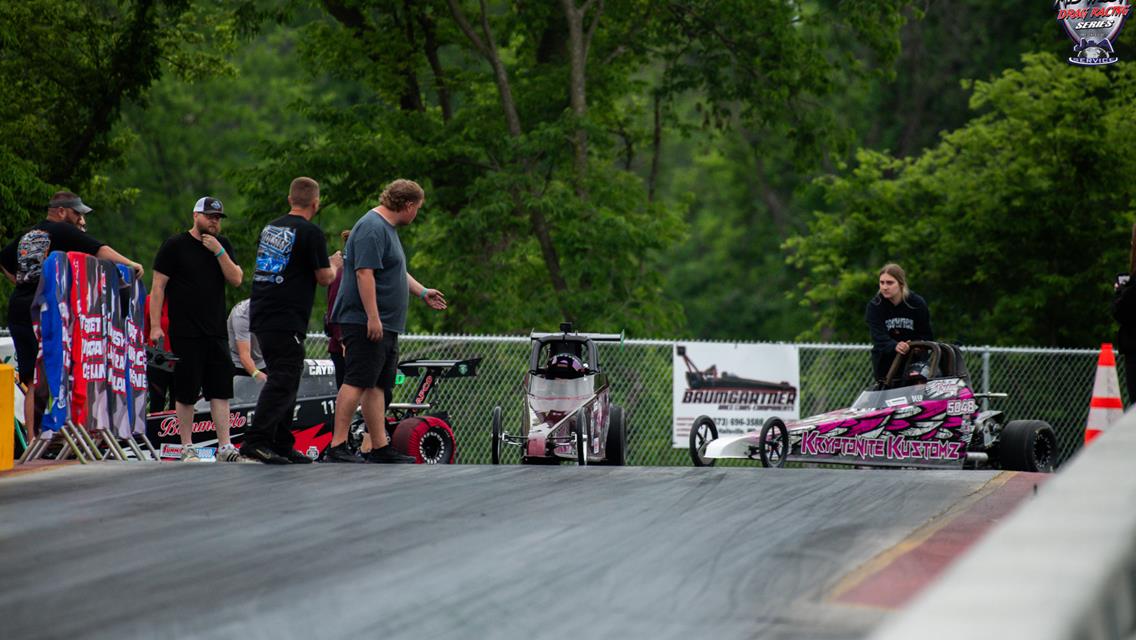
{"type": "Point", "coordinates": [738, 385]}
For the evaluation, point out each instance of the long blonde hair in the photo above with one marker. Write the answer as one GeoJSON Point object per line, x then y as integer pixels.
{"type": "Point", "coordinates": [896, 271]}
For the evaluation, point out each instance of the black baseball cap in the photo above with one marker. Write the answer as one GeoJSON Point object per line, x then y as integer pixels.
{"type": "Point", "coordinates": [70, 202]}
{"type": "Point", "coordinates": [209, 205]}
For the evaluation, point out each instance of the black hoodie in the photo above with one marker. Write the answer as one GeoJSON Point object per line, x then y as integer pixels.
{"type": "Point", "coordinates": [891, 324]}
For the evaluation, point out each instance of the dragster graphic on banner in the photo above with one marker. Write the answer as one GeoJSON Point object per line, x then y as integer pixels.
{"type": "Point", "coordinates": [739, 386]}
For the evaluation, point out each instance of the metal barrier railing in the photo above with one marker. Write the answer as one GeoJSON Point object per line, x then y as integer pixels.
{"type": "Point", "coordinates": [1054, 385]}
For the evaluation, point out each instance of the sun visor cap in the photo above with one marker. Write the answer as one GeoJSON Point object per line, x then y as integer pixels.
{"type": "Point", "coordinates": [75, 203]}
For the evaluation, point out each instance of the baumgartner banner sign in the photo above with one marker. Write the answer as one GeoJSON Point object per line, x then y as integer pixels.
{"type": "Point", "coordinates": [739, 386]}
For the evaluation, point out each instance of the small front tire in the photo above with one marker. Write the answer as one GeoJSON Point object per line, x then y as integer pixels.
{"type": "Point", "coordinates": [773, 443]}
{"type": "Point", "coordinates": [702, 433]}
{"type": "Point", "coordinates": [495, 447]}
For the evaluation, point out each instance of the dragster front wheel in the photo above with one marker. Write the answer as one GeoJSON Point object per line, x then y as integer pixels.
{"type": "Point", "coordinates": [495, 448]}
{"type": "Point", "coordinates": [702, 433]}
{"type": "Point", "coordinates": [773, 443]}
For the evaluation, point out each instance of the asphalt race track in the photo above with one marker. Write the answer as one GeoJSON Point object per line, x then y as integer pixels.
{"type": "Point", "coordinates": [148, 550]}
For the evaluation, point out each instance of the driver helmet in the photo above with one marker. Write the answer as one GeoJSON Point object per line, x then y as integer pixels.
{"type": "Point", "coordinates": [566, 363]}
{"type": "Point", "coordinates": [918, 371]}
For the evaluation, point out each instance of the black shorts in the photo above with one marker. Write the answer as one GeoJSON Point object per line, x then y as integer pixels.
{"type": "Point", "coordinates": [27, 350]}
{"type": "Point", "coordinates": [204, 367]}
{"type": "Point", "coordinates": [369, 364]}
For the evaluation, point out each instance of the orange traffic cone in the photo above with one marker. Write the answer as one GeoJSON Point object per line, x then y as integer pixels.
{"type": "Point", "coordinates": [1106, 407]}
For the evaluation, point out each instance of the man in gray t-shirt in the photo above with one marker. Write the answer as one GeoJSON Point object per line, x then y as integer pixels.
{"type": "Point", "coordinates": [370, 310]}
{"type": "Point", "coordinates": [374, 245]}
{"type": "Point", "coordinates": [243, 346]}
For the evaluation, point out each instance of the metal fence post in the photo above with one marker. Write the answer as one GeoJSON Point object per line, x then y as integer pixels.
{"type": "Point", "coordinates": [986, 377]}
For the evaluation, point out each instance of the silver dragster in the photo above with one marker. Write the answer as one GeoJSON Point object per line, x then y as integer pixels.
{"type": "Point", "coordinates": [567, 414]}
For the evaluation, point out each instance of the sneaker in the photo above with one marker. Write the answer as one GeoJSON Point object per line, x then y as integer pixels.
{"type": "Point", "coordinates": [295, 457]}
{"type": "Point", "coordinates": [261, 453]}
{"type": "Point", "coordinates": [228, 453]}
{"type": "Point", "coordinates": [340, 453]}
{"type": "Point", "coordinates": [189, 454]}
{"type": "Point", "coordinates": [387, 455]}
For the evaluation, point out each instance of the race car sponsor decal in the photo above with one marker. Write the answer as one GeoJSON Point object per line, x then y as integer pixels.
{"type": "Point", "coordinates": [892, 447]}
{"type": "Point", "coordinates": [942, 388]}
{"type": "Point", "coordinates": [961, 407]}
{"type": "Point", "coordinates": [169, 425]}
{"type": "Point", "coordinates": [320, 367]}
{"type": "Point", "coordinates": [173, 451]}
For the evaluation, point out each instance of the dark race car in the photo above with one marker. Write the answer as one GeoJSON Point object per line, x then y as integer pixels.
{"type": "Point", "coordinates": [568, 413]}
{"type": "Point", "coordinates": [413, 429]}
{"type": "Point", "coordinates": [923, 415]}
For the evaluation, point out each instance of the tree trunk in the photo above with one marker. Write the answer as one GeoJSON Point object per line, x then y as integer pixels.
{"type": "Point", "coordinates": [486, 46]}
{"type": "Point", "coordinates": [126, 74]}
{"type": "Point", "coordinates": [430, 34]}
{"type": "Point", "coordinates": [578, 42]}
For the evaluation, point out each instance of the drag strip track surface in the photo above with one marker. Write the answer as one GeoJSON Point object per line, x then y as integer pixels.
{"type": "Point", "coordinates": [150, 550]}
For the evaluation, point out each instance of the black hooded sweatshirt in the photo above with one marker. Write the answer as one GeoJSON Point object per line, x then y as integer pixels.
{"type": "Point", "coordinates": [891, 324]}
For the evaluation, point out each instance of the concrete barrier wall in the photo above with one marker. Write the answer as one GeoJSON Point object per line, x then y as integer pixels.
{"type": "Point", "coordinates": [1062, 566]}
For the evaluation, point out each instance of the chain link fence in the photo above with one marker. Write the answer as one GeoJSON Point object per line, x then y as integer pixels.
{"type": "Point", "coordinates": [1054, 385]}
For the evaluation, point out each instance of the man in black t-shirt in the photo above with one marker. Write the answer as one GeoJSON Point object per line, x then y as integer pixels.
{"type": "Point", "coordinates": [190, 273]}
{"type": "Point", "coordinates": [22, 261]}
{"type": "Point", "coordinates": [291, 259]}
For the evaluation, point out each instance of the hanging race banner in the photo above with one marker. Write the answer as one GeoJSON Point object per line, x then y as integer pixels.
{"type": "Point", "coordinates": [52, 318]}
{"type": "Point", "coordinates": [136, 383]}
{"type": "Point", "coordinates": [88, 349]}
{"type": "Point", "coordinates": [739, 386]}
{"type": "Point", "coordinates": [114, 319]}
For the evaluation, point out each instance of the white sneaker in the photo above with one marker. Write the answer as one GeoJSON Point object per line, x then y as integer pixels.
{"type": "Point", "coordinates": [189, 454]}
{"type": "Point", "coordinates": [228, 453]}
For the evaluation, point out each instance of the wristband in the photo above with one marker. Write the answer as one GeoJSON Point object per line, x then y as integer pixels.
{"type": "Point", "coordinates": [219, 253]}
{"type": "Point", "coordinates": [423, 294]}
{"type": "Point", "coordinates": [256, 372]}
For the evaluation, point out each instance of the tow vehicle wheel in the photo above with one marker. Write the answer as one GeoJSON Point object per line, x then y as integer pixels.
{"type": "Point", "coordinates": [428, 443]}
{"type": "Point", "coordinates": [702, 433]}
{"type": "Point", "coordinates": [773, 445]}
{"type": "Point", "coordinates": [616, 453]}
{"type": "Point", "coordinates": [1028, 445]}
{"type": "Point", "coordinates": [495, 447]}
{"type": "Point", "coordinates": [582, 432]}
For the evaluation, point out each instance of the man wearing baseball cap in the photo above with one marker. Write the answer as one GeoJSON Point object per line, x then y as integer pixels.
{"type": "Point", "coordinates": [22, 261]}
{"type": "Point", "coordinates": [190, 273]}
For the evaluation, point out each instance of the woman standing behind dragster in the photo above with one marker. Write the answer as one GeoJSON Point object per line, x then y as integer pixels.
{"type": "Point", "coordinates": [895, 316]}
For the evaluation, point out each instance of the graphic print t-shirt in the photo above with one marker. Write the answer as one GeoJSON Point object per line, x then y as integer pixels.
{"type": "Point", "coordinates": [284, 283]}
{"type": "Point", "coordinates": [24, 256]}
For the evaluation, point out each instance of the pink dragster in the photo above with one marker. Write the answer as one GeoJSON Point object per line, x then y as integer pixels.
{"type": "Point", "coordinates": [924, 414]}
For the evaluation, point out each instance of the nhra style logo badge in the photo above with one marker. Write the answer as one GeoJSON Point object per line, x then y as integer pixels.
{"type": "Point", "coordinates": [1093, 26]}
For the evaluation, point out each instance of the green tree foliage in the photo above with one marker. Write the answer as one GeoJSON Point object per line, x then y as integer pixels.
{"type": "Point", "coordinates": [185, 140]}
{"type": "Point", "coordinates": [524, 122]}
{"type": "Point", "coordinates": [67, 68]}
{"type": "Point", "coordinates": [750, 185]}
{"type": "Point", "coordinates": [1013, 226]}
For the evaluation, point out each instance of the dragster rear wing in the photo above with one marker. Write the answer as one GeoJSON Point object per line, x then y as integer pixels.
{"type": "Point", "coordinates": [441, 368]}
{"type": "Point", "coordinates": [595, 337]}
